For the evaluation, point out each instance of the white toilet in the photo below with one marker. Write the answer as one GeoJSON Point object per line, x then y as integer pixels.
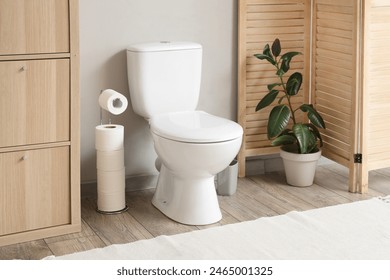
{"type": "Point", "coordinates": [193, 146]}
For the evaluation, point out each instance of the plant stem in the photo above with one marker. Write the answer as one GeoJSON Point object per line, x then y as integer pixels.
{"type": "Point", "coordinates": [285, 93]}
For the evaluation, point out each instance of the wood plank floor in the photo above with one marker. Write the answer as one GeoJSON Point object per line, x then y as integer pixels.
{"type": "Point", "coordinates": [256, 196]}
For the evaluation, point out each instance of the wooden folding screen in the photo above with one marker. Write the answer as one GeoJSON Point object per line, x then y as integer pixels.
{"type": "Point", "coordinates": [260, 22]}
{"type": "Point", "coordinates": [376, 84]}
{"type": "Point", "coordinates": [350, 83]}
{"type": "Point", "coordinates": [375, 78]}
{"type": "Point", "coordinates": [349, 70]}
{"type": "Point", "coordinates": [335, 81]}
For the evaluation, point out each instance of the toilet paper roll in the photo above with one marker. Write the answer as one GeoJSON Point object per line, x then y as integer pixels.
{"type": "Point", "coordinates": [110, 160]}
{"type": "Point", "coordinates": [113, 102]}
{"type": "Point", "coordinates": [109, 137]}
{"type": "Point", "coordinates": [111, 202]}
{"type": "Point", "coordinates": [111, 181]}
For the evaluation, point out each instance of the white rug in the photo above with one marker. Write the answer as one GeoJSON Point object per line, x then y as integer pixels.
{"type": "Point", "coordinates": [359, 230]}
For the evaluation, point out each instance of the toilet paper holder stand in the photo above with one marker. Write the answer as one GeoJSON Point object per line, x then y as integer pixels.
{"type": "Point", "coordinates": [112, 212]}
{"type": "Point", "coordinates": [97, 208]}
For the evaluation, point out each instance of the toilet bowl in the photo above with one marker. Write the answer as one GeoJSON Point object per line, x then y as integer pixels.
{"type": "Point", "coordinates": [193, 147]}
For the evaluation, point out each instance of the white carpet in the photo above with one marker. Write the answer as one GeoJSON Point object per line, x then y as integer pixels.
{"type": "Point", "coordinates": [359, 230]}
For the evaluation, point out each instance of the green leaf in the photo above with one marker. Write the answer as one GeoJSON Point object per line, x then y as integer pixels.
{"type": "Point", "coordinates": [287, 131]}
{"type": "Point", "coordinates": [289, 55]}
{"type": "Point", "coordinates": [267, 51]}
{"type": "Point", "coordinates": [267, 99]}
{"type": "Point", "coordinates": [285, 66]}
{"type": "Point", "coordinates": [294, 83]}
{"type": "Point", "coordinates": [284, 140]}
{"type": "Point", "coordinates": [281, 71]}
{"type": "Point", "coordinates": [266, 55]}
{"type": "Point", "coordinates": [313, 115]}
{"type": "Point", "coordinates": [281, 99]}
{"type": "Point", "coordinates": [278, 120]}
{"type": "Point", "coordinates": [316, 133]}
{"type": "Point", "coordinates": [272, 86]}
{"type": "Point", "coordinates": [276, 48]}
{"type": "Point", "coordinates": [268, 58]}
{"type": "Point", "coordinates": [286, 59]}
{"type": "Point", "coordinates": [305, 137]}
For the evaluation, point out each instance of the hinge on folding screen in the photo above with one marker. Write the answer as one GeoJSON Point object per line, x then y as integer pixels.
{"type": "Point", "coordinates": [358, 158]}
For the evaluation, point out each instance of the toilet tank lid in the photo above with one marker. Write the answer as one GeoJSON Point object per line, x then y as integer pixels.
{"type": "Point", "coordinates": [163, 46]}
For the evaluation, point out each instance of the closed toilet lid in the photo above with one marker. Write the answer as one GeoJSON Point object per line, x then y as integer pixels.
{"type": "Point", "coordinates": [195, 127]}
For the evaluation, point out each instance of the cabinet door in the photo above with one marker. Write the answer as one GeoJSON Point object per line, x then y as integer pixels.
{"type": "Point", "coordinates": [34, 26]}
{"type": "Point", "coordinates": [34, 102]}
{"type": "Point", "coordinates": [34, 189]}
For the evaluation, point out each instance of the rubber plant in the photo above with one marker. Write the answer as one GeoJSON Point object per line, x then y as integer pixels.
{"type": "Point", "coordinates": [305, 136]}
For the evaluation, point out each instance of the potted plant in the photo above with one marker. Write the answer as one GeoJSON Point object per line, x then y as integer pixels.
{"type": "Point", "coordinates": [300, 142]}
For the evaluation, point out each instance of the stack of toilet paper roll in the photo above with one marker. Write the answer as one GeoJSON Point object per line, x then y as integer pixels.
{"type": "Point", "coordinates": [110, 168]}
{"type": "Point", "coordinates": [110, 156]}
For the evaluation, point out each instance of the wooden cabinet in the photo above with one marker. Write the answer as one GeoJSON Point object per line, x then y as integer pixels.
{"type": "Point", "coordinates": [344, 45]}
{"type": "Point", "coordinates": [39, 119]}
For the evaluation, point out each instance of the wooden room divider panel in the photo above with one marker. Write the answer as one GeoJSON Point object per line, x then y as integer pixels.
{"type": "Point", "coordinates": [335, 78]}
{"type": "Point", "coordinates": [375, 87]}
{"type": "Point", "coordinates": [260, 22]}
{"type": "Point", "coordinates": [344, 46]}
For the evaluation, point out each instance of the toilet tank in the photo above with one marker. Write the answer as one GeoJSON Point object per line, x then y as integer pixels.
{"type": "Point", "coordinates": [164, 77]}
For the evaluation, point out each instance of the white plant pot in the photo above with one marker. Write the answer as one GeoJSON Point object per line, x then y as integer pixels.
{"type": "Point", "coordinates": [300, 168]}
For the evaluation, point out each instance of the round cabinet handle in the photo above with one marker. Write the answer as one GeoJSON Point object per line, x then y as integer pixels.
{"type": "Point", "coordinates": [25, 157]}
{"type": "Point", "coordinates": [23, 68]}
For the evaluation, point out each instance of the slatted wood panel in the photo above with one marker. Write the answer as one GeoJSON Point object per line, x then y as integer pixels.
{"type": "Point", "coordinates": [350, 77]}
{"type": "Point", "coordinates": [377, 83]}
{"type": "Point", "coordinates": [260, 22]}
{"type": "Point", "coordinates": [335, 63]}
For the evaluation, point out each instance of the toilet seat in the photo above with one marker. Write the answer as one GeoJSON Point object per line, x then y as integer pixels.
{"type": "Point", "coordinates": [195, 127]}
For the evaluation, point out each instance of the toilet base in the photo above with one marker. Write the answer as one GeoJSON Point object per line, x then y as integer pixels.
{"type": "Point", "coordinates": [191, 201]}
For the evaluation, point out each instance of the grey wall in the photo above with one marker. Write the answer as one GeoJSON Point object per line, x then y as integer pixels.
{"type": "Point", "coordinates": [107, 27]}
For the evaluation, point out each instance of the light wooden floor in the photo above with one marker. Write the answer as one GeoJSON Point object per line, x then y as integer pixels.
{"type": "Point", "coordinates": [256, 196]}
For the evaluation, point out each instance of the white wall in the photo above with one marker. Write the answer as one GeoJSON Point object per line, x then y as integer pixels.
{"type": "Point", "coordinates": [107, 27]}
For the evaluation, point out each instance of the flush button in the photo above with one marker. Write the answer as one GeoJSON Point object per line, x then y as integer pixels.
{"type": "Point", "coordinates": [165, 42]}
